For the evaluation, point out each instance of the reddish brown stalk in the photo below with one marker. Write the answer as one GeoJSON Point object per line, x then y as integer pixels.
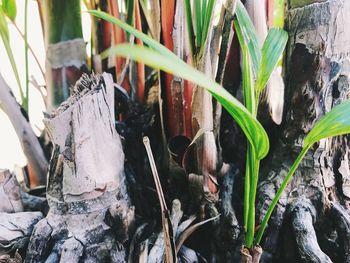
{"type": "Point", "coordinates": [188, 92]}
{"type": "Point", "coordinates": [118, 37]}
{"type": "Point", "coordinates": [269, 9]}
{"type": "Point", "coordinates": [167, 22]}
{"type": "Point", "coordinates": [140, 66]}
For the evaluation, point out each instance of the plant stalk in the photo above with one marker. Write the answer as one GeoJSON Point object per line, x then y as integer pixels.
{"type": "Point", "coordinates": [279, 193]}
{"type": "Point", "coordinates": [25, 103]}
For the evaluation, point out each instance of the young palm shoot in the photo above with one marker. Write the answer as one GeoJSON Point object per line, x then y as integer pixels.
{"type": "Point", "coordinates": [262, 63]}
{"type": "Point", "coordinates": [334, 123]}
{"type": "Point", "coordinates": [258, 64]}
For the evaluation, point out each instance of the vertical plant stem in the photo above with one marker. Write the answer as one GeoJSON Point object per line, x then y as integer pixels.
{"type": "Point", "coordinates": [65, 48]}
{"type": "Point", "coordinates": [246, 189]}
{"type": "Point", "coordinates": [198, 14]}
{"type": "Point", "coordinates": [25, 103]}
{"type": "Point", "coordinates": [254, 163]}
{"type": "Point", "coordinates": [140, 66]}
{"type": "Point", "coordinates": [279, 193]}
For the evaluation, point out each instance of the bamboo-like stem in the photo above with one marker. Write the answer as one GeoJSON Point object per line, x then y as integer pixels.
{"type": "Point", "coordinates": [66, 55]}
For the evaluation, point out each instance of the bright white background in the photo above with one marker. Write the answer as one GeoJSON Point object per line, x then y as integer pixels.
{"type": "Point", "coordinates": [10, 150]}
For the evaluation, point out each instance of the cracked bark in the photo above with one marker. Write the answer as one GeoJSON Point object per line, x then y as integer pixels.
{"type": "Point", "coordinates": [317, 70]}
{"type": "Point", "coordinates": [90, 211]}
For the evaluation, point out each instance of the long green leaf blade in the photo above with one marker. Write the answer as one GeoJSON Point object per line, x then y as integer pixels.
{"type": "Point", "coordinates": [248, 82]}
{"type": "Point", "coordinates": [272, 50]}
{"type": "Point", "coordinates": [10, 9]}
{"type": "Point", "coordinates": [250, 126]}
{"type": "Point", "coordinates": [198, 19]}
{"type": "Point", "coordinates": [247, 33]}
{"type": "Point", "coordinates": [189, 27]}
{"type": "Point", "coordinates": [334, 123]}
{"type": "Point", "coordinates": [206, 22]}
{"type": "Point", "coordinates": [146, 39]}
{"type": "Point", "coordinates": [4, 33]}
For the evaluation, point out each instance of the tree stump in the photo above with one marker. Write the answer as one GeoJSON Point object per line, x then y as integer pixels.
{"type": "Point", "coordinates": [90, 209]}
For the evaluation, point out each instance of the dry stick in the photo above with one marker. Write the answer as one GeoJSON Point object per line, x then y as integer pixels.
{"type": "Point", "coordinates": [170, 256]}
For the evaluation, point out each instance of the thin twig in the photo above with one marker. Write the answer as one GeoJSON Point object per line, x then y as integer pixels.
{"type": "Point", "coordinates": [36, 85]}
{"type": "Point", "coordinates": [170, 256]}
{"type": "Point", "coordinates": [30, 49]}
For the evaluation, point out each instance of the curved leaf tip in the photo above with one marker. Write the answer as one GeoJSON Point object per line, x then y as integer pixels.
{"type": "Point", "coordinates": [334, 123]}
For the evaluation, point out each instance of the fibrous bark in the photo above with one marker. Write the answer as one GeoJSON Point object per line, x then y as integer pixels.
{"type": "Point", "coordinates": [316, 80]}
{"type": "Point", "coordinates": [90, 209]}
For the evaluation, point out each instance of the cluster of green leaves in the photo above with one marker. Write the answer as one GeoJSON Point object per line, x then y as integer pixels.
{"type": "Point", "coordinates": [258, 65]}
{"type": "Point", "coordinates": [8, 10]}
{"type": "Point", "coordinates": [198, 23]}
{"type": "Point", "coordinates": [257, 68]}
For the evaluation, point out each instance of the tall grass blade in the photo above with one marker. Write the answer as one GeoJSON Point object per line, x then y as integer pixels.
{"type": "Point", "coordinates": [189, 26]}
{"type": "Point", "coordinates": [206, 22]}
{"type": "Point", "coordinates": [130, 5]}
{"type": "Point", "coordinates": [198, 19]}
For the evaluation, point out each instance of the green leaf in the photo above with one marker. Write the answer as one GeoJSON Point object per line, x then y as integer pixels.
{"type": "Point", "coordinates": [130, 12]}
{"type": "Point", "coordinates": [272, 50]}
{"type": "Point", "coordinates": [334, 123]}
{"type": "Point", "coordinates": [207, 18]}
{"type": "Point", "coordinates": [9, 8]}
{"type": "Point", "coordinates": [246, 33]}
{"type": "Point", "coordinates": [146, 39]}
{"type": "Point", "coordinates": [248, 82]}
{"type": "Point", "coordinates": [3, 25]}
{"type": "Point", "coordinates": [251, 127]}
{"type": "Point", "coordinates": [4, 33]}
{"type": "Point", "coordinates": [189, 26]}
{"type": "Point", "coordinates": [198, 19]}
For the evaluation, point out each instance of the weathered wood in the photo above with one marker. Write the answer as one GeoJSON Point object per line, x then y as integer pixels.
{"type": "Point", "coordinates": [15, 230]}
{"type": "Point", "coordinates": [10, 193]}
{"type": "Point", "coordinates": [90, 210]}
{"type": "Point", "coordinates": [15, 225]}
